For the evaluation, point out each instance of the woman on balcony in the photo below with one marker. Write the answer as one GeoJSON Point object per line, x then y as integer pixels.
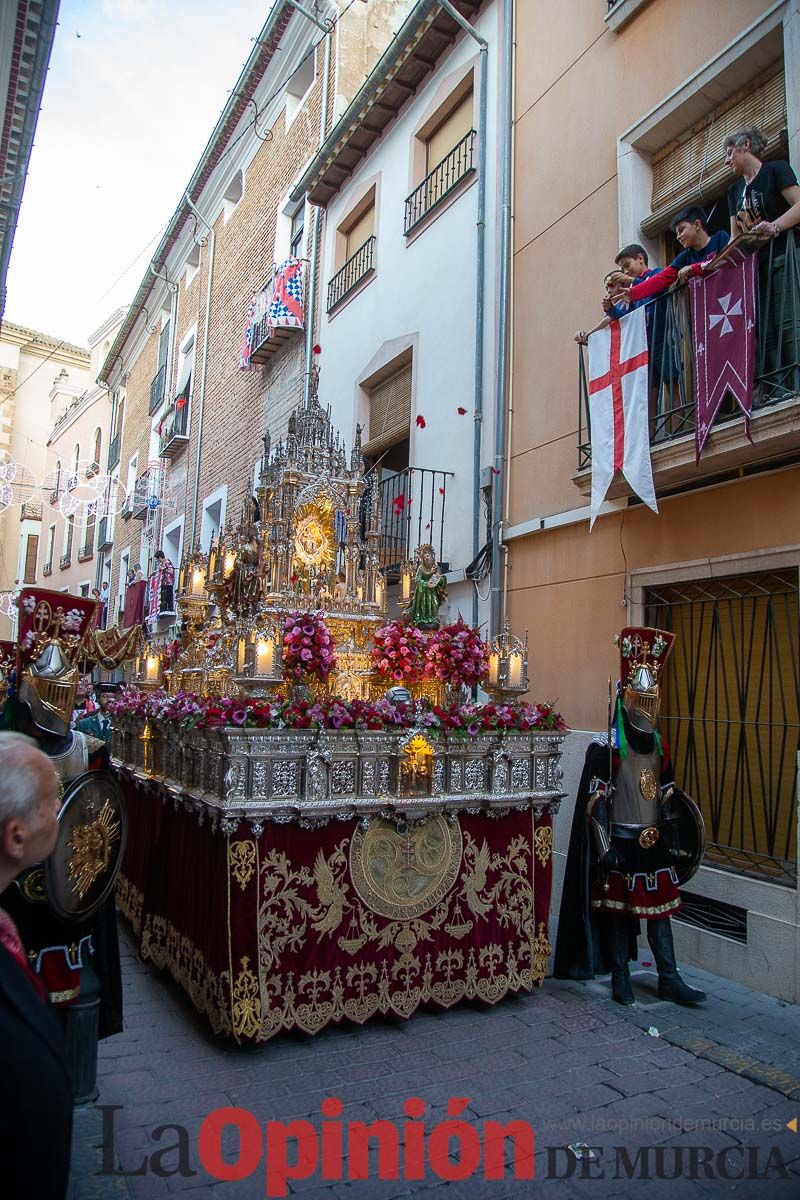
{"type": "Point", "coordinates": [765, 202]}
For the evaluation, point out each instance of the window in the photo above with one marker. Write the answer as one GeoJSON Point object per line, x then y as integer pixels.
{"type": "Point", "coordinates": [51, 542]}
{"type": "Point", "coordinates": [85, 590]}
{"type": "Point", "coordinates": [213, 517]}
{"type": "Point", "coordinates": [691, 168]}
{"type": "Point", "coordinates": [233, 195]}
{"type": "Point", "coordinates": [297, 237]}
{"type": "Point", "coordinates": [124, 567]}
{"type": "Point", "coordinates": [98, 445]}
{"type": "Point", "coordinates": [443, 153]}
{"type": "Point", "coordinates": [31, 554]}
{"type": "Point", "coordinates": [362, 229]}
{"type": "Point", "coordinates": [389, 413]}
{"type": "Point", "coordinates": [192, 265]}
{"type": "Point", "coordinates": [447, 136]}
{"type": "Point", "coordinates": [172, 543]}
{"type": "Point", "coordinates": [298, 86]}
{"type": "Point", "coordinates": [354, 249]}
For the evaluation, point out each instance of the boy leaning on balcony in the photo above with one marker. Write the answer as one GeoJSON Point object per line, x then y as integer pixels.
{"type": "Point", "coordinates": [633, 261]}
{"type": "Point", "coordinates": [699, 248]}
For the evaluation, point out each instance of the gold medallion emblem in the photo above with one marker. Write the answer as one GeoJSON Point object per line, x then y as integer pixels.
{"type": "Point", "coordinates": [648, 837]}
{"type": "Point", "coordinates": [647, 784]}
{"type": "Point", "coordinates": [91, 846]}
{"type": "Point", "coordinates": [401, 871]}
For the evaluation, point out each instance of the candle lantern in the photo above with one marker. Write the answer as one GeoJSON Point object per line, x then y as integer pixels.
{"type": "Point", "coordinates": [508, 665]}
{"type": "Point", "coordinates": [259, 656]}
{"type": "Point", "coordinates": [406, 581]}
{"type": "Point", "coordinates": [149, 668]}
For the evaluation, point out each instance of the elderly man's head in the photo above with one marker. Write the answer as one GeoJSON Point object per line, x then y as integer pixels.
{"type": "Point", "coordinates": [29, 805]}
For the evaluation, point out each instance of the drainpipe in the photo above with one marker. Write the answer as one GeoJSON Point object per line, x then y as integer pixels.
{"type": "Point", "coordinates": [311, 291]}
{"type": "Point", "coordinates": [172, 288]}
{"type": "Point", "coordinates": [502, 323]}
{"type": "Point", "coordinates": [203, 364]}
{"type": "Point", "coordinates": [506, 477]}
{"type": "Point", "coordinates": [480, 284]}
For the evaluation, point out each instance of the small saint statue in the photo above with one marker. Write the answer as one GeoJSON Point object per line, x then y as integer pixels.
{"type": "Point", "coordinates": [429, 591]}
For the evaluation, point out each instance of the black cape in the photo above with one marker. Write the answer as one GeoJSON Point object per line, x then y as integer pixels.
{"type": "Point", "coordinates": [581, 947]}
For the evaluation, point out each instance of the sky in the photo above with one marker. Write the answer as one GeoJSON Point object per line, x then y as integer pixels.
{"type": "Point", "coordinates": [133, 92]}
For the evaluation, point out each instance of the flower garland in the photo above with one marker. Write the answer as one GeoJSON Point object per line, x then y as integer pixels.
{"type": "Point", "coordinates": [307, 646]}
{"type": "Point", "coordinates": [187, 710]}
{"type": "Point", "coordinates": [399, 652]}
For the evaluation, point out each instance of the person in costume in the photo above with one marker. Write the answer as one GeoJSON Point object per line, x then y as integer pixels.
{"type": "Point", "coordinates": [429, 591]}
{"type": "Point", "coordinates": [52, 630]}
{"type": "Point", "coordinates": [627, 842]}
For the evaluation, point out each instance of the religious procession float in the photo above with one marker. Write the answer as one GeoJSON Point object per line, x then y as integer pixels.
{"type": "Point", "coordinates": [323, 823]}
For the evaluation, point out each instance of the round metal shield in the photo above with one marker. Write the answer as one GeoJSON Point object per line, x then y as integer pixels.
{"type": "Point", "coordinates": [691, 835]}
{"type": "Point", "coordinates": [92, 827]}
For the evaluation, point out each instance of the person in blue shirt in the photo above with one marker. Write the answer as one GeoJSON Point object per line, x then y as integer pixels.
{"type": "Point", "coordinates": [699, 247]}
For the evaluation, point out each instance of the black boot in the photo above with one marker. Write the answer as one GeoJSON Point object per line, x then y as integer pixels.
{"type": "Point", "coordinates": [618, 945]}
{"type": "Point", "coordinates": [670, 984]}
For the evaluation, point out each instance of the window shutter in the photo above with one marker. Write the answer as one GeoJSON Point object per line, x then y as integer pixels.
{"type": "Point", "coordinates": [360, 233]}
{"type": "Point", "coordinates": [31, 554]}
{"type": "Point", "coordinates": [692, 167]}
{"type": "Point", "coordinates": [389, 413]}
{"type": "Point", "coordinates": [452, 129]}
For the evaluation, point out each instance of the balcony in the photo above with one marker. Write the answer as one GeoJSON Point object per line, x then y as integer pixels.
{"type": "Point", "coordinates": [776, 393]}
{"type": "Point", "coordinates": [113, 451]}
{"type": "Point", "coordinates": [92, 470]}
{"type": "Point", "coordinates": [86, 551]}
{"type": "Point", "coordinates": [104, 540]}
{"type": "Point", "coordinates": [47, 569]}
{"type": "Point", "coordinates": [158, 389]}
{"type": "Point", "coordinates": [441, 182]}
{"type": "Point", "coordinates": [269, 335]}
{"type": "Point", "coordinates": [359, 266]}
{"type": "Point", "coordinates": [412, 505]}
{"type": "Point", "coordinates": [175, 434]}
{"type": "Point", "coordinates": [65, 560]}
{"type": "Point", "coordinates": [31, 510]}
{"type": "Point", "coordinates": [141, 496]}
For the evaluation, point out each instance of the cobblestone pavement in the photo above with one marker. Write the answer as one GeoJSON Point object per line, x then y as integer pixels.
{"type": "Point", "coordinates": [690, 1100]}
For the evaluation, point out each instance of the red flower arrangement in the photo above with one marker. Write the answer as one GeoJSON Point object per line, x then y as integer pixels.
{"type": "Point", "coordinates": [398, 652]}
{"type": "Point", "coordinates": [307, 646]}
{"type": "Point", "coordinates": [457, 655]}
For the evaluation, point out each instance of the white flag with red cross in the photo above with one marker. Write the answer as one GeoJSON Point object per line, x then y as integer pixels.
{"type": "Point", "coordinates": [618, 390]}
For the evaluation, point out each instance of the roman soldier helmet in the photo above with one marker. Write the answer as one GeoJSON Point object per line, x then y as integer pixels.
{"type": "Point", "coordinates": [52, 630]}
{"type": "Point", "coordinates": [8, 657]}
{"type": "Point", "coordinates": [643, 654]}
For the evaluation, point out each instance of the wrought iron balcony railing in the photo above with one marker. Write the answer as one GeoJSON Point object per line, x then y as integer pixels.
{"type": "Point", "coordinates": [86, 552]}
{"type": "Point", "coordinates": [47, 569]}
{"type": "Point", "coordinates": [114, 447]}
{"type": "Point", "coordinates": [104, 534]}
{"type": "Point", "coordinates": [412, 506]}
{"type": "Point", "coordinates": [157, 388]}
{"type": "Point", "coordinates": [65, 560]}
{"type": "Point", "coordinates": [175, 434]}
{"type": "Point", "coordinates": [355, 270]}
{"type": "Point", "coordinates": [31, 510]}
{"type": "Point", "coordinates": [672, 365]}
{"type": "Point", "coordinates": [439, 183]}
{"type": "Point", "coordinates": [141, 495]}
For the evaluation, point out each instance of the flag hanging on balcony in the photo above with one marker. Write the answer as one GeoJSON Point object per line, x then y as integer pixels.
{"type": "Point", "coordinates": [724, 333]}
{"type": "Point", "coordinates": [618, 393]}
{"type": "Point", "coordinates": [286, 305]}
{"type": "Point", "coordinates": [256, 311]}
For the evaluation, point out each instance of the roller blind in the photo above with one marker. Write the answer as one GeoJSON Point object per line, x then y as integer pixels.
{"type": "Point", "coordinates": [389, 412]}
{"type": "Point", "coordinates": [361, 232]}
{"type": "Point", "coordinates": [454, 127]}
{"type": "Point", "coordinates": [31, 554]}
{"type": "Point", "coordinates": [692, 167]}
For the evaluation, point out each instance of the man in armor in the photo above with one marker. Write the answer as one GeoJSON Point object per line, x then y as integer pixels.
{"type": "Point", "coordinates": [52, 631]}
{"type": "Point", "coordinates": [635, 837]}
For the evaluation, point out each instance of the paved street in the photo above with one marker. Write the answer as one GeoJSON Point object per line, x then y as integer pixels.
{"type": "Point", "coordinates": [566, 1059]}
